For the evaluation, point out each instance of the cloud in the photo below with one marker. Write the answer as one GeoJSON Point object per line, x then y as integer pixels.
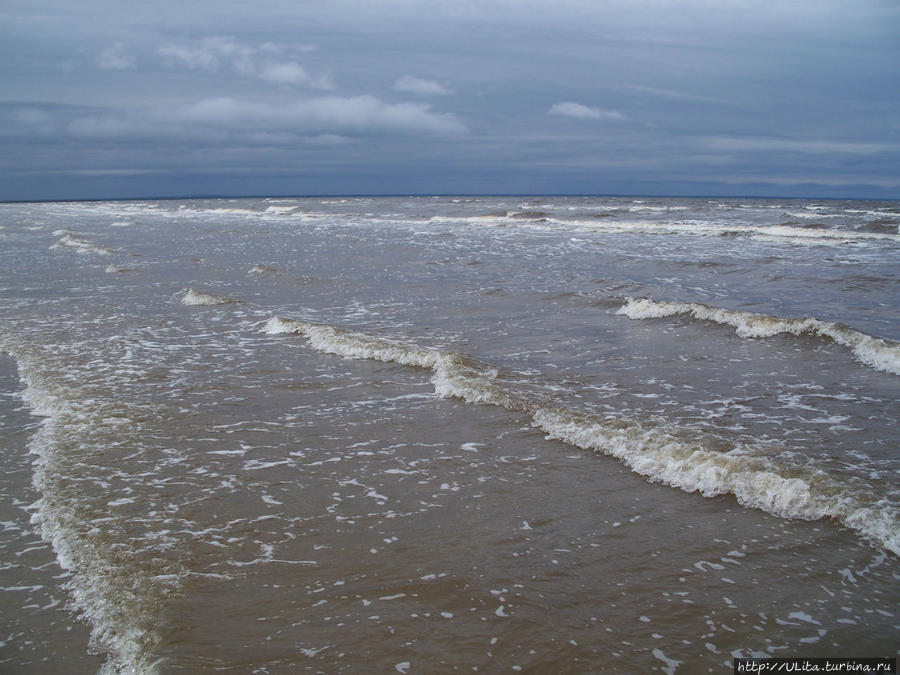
{"type": "Point", "coordinates": [114, 57]}
{"type": "Point", "coordinates": [292, 73]}
{"type": "Point", "coordinates": [368, 112]}
{"type": "Point", "coordinates": [27, 123]}
{"type": "Point", "coordinates": [811, 146]}
{"type": "Point", "coordinates": [261, 61]}
{"type": "Point", "coordinates": [583, 112]}
{"type": "Point", "coordinates": [326, 140]}
{"type": "Point", "coordinates": [208, 54]}
{"type": "Point", "coordinates": [31, 116]}
{"type": "Point", "coordinates": [326, 114]}
{"type": "Point", "coordinates": [712, 84]}
{"type": "Point", "coordinates": [284, 73]}
{"type": "Point", "coordinates": [326, 120]}
{"type": "Point", "coordinates": [414, 85]}
{"type": "Point", "coordinates": [223, 111]}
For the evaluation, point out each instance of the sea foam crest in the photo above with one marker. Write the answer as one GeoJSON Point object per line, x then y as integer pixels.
{"type": "Point", "coordinates": [706, 228]}
{"type": "Point", "coordinates": [82, 246]}
{"type": "Point", "coordinates": [454, 374]}
{"type": "Point", "coordinates": [755, 481]}
{"type": "Point", "coordinates": [192, 297]}
{"type": "Point", "coordinates": [119, 599]}
{"type": "Point", "coordinates": [879, 353]}
{"type": "Point", "coordinates": [649, 449]}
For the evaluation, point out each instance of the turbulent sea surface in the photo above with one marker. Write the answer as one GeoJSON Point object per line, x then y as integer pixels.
{"type": "Point", "coordinates": [425, 435]}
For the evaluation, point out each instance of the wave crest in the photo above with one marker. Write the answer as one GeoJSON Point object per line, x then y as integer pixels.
{"type": "Point", "coordinates": [455, 376]}
{"type": "Point", "coordinates": [879, 353]}
{"type": "Point", "coordinates": [82, 246]}
{"type": "Point", "coordinates": [192, 297]}
{"type": "Point", "coordinates": [650, 449]}
{"type": "Point", "coordinates": [119, 596]}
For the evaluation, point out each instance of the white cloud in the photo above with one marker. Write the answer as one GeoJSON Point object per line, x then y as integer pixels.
{"type": "Point", "coordinates": [214, 53]}
{"type": "Point", "coordinates": [207, 55]}
{"type": "Point", "coordinates": [326, 114]}
{"type": "Point", "coordinates": [284, 73]}
{"type": "Point", "coordinates": [325, 120]}
{"type": "Point", "coordinates": [811, 147]}
{"type": "Point", "coordinates": [368, 112]}
{"type": "Point", "coordinates": [292, 73]}
{"type": "Point", "coordinates": [579, 111]}
{"type": "Point", "coordinates": [114, 57]}
{"type": "Point", "coordinates": [414, 85]}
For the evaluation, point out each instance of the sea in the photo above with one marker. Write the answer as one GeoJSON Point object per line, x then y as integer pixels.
{"type": "Point", "coordinates": [447, 434]}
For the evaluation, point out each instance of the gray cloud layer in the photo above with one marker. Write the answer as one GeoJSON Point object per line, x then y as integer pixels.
{"type": "Point", "coordinates": [414, 96]}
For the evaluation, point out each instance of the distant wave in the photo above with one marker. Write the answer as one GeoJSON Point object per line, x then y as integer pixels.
{"type": "Point", "coordinates": [82, 246]}
{"type": "Point", "coordinates": [879, 353]}
{"type": "Point", "coordinates": [615, 219]}
{"type": "Point", "coordinates": [797, 235]}
{"type": "Point", "coordinates": [192, 297]}
{"type": "Point", "coordinates": [611, 225]}
{"type": "Point", "coordinates": [649, 449]}
{"type": "Point", "coordinates": [264, 270]}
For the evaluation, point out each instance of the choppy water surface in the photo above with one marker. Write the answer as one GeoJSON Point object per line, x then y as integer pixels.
{"type": "Point", "coordinates": [435, 434]}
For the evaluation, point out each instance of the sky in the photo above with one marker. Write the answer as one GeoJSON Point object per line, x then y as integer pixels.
{"type": "Point", "coordinates": [104, 99]}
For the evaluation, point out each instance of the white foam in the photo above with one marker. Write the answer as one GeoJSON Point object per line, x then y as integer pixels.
{"type": "Point", "coordinates": [120, 601]}
{"type": "Point", "coordinates": [280, 209]}
{"type": "Point", "coordinates": [797, 235]}
{"type": "Point", "coordinates": [814, 214]}
{"type": "Point", "coordinates": [879, 353]}
{"type": "Point", "coordinates": [650, 450]}
{"type": "Point", "coordinates": [671, 664]}
{"type": "Point", "coordinates": [82, 246]}
{"type": "Point", "coordinates": [192, 297]}
{"type": "Point", "coordinates": [263, 269]}
{"type": "Point", "coordinates": [454, 375]}
{"type": "Point", "coordinates": [790, 492]}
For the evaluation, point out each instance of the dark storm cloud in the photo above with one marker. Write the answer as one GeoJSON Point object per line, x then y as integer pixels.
{"type": "Point", "coordinates": [411, 96]}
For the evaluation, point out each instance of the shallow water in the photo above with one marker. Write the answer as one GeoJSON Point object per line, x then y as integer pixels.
{"type": "Point", "coordinates": [423, 435]}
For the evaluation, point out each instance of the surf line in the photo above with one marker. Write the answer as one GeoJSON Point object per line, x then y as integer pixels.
{"type": "Point", "coordinates": [878, 353]}
{"type": "Point", "coordinates": [120, 601]}
{"type": "Point", "coordinates": [647, 448]}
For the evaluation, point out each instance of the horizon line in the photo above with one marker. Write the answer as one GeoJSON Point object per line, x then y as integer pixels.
{"type": "Point", "coordinates": [440, 195]}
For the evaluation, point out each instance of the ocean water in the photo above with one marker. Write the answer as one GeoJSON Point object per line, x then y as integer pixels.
{"type": "Point", "coordinates": [426, 435]}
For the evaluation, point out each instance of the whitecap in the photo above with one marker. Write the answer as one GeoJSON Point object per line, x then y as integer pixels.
{"type": "Point", "coordinates": [192, 297]}
{"type": "Point", "coordinates": [82, 246]}
{"type": "Point", "coordinates": [654, 450]}
{"type": "Point", "coordinates": [879, 353]}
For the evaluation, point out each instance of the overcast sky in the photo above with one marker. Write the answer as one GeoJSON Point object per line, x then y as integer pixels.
{"type": "Point", "coordinates": [105, 98]}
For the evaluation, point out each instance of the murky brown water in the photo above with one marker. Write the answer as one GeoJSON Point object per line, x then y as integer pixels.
{"type": "Point", "coordinates": [458, 457]}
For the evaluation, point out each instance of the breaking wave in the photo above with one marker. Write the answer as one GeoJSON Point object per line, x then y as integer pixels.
{"type": "Point", "coordinates": [117, 595]}
{"type": "Point", "coordinates": [192, 297]}
{"type": "Point", "coordinates": [82, 246]}
{"type": "Point", "coordinates": [608, 223]}
{"type": "Point", "coordinates": [879, 353]}
{"type": "Point", "coordinates": [653, 449]}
